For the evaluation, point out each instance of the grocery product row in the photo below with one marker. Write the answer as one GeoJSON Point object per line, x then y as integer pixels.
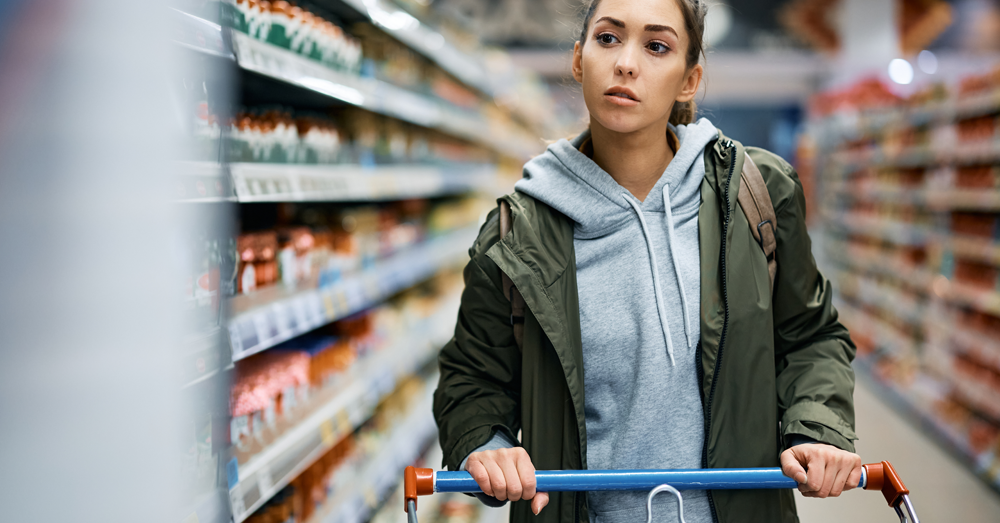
{"type": "Point", "coordinates": [294, 406]}
{"type": "Point", "coordinates": [910, 207]}
{"type": "Point", "coordinates": [361, 67]}
{"type": "Point", "coordinates": [323, 263]}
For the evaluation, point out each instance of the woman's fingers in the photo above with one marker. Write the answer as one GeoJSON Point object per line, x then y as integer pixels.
{"type": "Point", "coordinates": [498, 483]}
{"type": "Point", "coordinates": [526, 473]}
{"type": "Point", "coordinates": [821, 470]}
{"type": "Point", "coordinates": [511, 478]}
{"type": "Point", "coordinates": [478, 471]}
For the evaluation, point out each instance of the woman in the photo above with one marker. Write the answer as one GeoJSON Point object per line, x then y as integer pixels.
{"type": "Point", "coordinates": [652, 338]}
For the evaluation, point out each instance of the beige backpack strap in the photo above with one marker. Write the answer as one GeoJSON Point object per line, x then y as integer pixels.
{"type": "Point", "coordinates": [756, 205]}
{"type": "Point", "coordinates": [509, 290]}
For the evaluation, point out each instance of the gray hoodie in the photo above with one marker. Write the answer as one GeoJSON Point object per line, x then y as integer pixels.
{"type": "Point", "coordinates": [638, 271]}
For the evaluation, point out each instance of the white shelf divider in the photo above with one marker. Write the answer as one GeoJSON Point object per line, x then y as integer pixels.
{"type": "Point", "coordinates": [263, 182]}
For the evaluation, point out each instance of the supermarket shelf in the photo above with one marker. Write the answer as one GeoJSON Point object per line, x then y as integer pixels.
{"type": "Point", "coordinates": [376, 96]}
{"type": "Point", "coordinates": [875, 122]}
{"type": "Point", "coordinates": [199, 35]}
{"type": "Point", "coordinates": [920, 156]}
{"type": "Point", "coordinates": [892, 231]}
{"type": "Point", "coordinates": [887, 338]}
{"type": "Point", "coordinates": [971, 247]}
{"type": "Point", "coordinates": [983, 300]}
{"type": "Point", "coordinates": [426, 41]}
{"type": "Point", "coordinates": [262, 182]}
{"type": "Point", "coordinates": [936, 199]}
{"type": "Point", "coordinates": [202, 182]}
{"type": "Point", "coordinates": [985, 464]}
{"type": "Point", "coordinates": [270, 316]}
{"type": "Point", "coordinates": [385, 470]}
{"type": "Point", "coordinates": [265, 474]}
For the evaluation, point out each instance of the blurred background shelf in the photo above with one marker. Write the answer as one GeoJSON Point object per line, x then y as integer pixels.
{"type": "Point", "coordinates": [270, 316]}
{"type": "Point", "coordinates": [376, 96]}
{"type": "Point", "coordinates": [425, 40]}
{"type": "Point", "coordinates": [351, 402]}
{"type": "Point", "coordinates": [259, 182]}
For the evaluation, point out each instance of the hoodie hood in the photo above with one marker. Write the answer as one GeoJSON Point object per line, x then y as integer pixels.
{"type": "Point", "coordinates": [567, 180]}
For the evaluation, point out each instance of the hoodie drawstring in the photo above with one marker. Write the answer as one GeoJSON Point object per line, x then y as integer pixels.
{"type": "Point", "coordinates": [660, 305]}
{"type": "Point", "coordinates": [677, 265]}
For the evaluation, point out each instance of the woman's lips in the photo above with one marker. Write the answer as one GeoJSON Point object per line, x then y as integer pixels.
{"type": "Point", "coordinates": [620, 99]}
{"type": "Point", "coordinates": [620, 95]}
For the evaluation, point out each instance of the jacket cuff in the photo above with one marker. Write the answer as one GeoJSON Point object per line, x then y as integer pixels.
{"type": "Point", "coordinates": [817, 421]}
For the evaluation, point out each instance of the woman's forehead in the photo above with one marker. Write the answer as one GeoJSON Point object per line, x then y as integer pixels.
{"type": "Point", "coordinates": [636, 14]}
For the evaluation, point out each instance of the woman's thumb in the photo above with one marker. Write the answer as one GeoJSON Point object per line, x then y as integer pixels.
{"type": "Point", "coordinates": [539, 501]}
{"type": "Point", "coordinates": [791, 467]}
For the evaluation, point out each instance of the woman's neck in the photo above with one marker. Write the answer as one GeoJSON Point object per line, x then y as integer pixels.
{"type": "Point", "coordinates": [635, 160]}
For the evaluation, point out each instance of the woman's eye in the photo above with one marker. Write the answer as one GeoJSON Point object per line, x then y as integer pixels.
{"type": "Point", "coordinates": [606, 38]}
{"type": "Point", "coordinates": [658, 48]}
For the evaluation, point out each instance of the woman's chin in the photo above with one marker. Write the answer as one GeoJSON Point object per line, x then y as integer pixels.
{"type": "Point", "coordinates": [620, 121]}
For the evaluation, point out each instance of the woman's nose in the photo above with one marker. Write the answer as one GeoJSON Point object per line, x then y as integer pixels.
{"type": "Point", "coordinates": [626, 65]}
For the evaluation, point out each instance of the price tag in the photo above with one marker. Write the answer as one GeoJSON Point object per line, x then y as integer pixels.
{"type": "Point", "coordinates": [327, 433]}
{"type": "Point", "coordinates": [234, 340]}
{"type": "Point", "coordinates": [301, 317]}
{"type": "Point", "coordinates": [248, 336]}
{"type": "Point", "coordinates": [236, 500]}
{"type": "Point", "coordinates": [341, 301]}
{"type": "Point", "coordinates": [263, 327]}
{"type": "Point", "coordinates": [331, 312]}
{"type": "Point", "coordinates": [264, 480]}
{"type": "Point", "coordinates": [317, 309]}
{"type": "Point", "coordinates": [283, 320]}
{"type": "Point", "coordinates": [344, 424]}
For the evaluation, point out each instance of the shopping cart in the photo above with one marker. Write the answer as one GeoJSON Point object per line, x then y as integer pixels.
{"type": "Point", "coordinates": [874, 476]}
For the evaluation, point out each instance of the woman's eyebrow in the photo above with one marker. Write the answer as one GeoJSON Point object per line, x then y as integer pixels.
{"type": "Point", "coordinates": [656, 28]}
{"type": "Point", "coordinates": [613, 21]}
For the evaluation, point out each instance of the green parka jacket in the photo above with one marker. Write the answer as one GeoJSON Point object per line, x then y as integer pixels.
{"type": "Point", "coordinates": [770, 367]}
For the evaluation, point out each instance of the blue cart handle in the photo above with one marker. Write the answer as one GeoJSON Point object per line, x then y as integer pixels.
{"type": "Point", "coordinates": [874, 476]}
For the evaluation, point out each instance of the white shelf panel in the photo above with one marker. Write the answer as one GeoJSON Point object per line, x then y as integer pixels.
{"type": "Point", "coordinates": [424, 40]}
{"type": "Point", "coordinates": [261, 182]}
{"type": "Point", "coordinates": [264, 475]}
{"type": "Point", "coordinates": [275, 314]}
{"type": "Point", "coordinates": [376, 96]}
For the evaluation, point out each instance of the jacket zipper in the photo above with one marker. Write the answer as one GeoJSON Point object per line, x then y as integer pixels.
{"type": "Point", "coordinates": [725, 324]}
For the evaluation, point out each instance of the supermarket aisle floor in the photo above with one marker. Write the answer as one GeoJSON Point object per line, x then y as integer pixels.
{"type": "Point", "coordinates": [941, 488]}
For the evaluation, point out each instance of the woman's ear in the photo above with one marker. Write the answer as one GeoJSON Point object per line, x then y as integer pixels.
{"type": "Point", "coordinates": [578, 62]}
{"type": "Point", "coordinates": [691, 83]}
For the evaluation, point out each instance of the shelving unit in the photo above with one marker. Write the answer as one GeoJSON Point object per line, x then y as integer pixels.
{"type": "Point", "coordinates": [264, 453]}
{"type": "Point", "coordinates": [352, 402]}
{"type": "Point", "coordinates": [913, 285]}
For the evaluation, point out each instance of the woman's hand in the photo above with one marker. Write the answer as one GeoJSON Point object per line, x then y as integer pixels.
{"type": "Point", "coordinates": [506, 474]}
{"type": "Point", "coordinates": [821, 470]}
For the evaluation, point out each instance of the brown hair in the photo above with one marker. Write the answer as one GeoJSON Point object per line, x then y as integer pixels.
{"type": "Point", "coordinates": [694, 12]}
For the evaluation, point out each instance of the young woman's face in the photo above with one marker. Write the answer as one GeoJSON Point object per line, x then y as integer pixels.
{"type": "Point", "coordinates": [632, 63]}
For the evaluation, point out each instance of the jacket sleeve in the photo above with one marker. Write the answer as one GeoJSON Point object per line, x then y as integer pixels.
{"type": "Point", "coordinates": [478, 392]}
{"type": "Point", "coordinates": [813, 350]}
